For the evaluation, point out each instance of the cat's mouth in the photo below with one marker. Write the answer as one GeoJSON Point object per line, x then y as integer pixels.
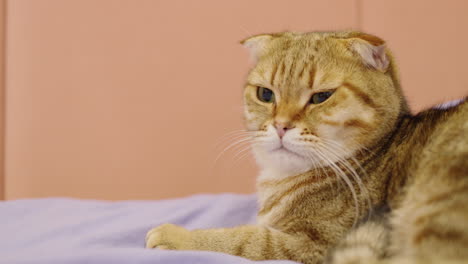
{"type": "Point", "coordinates": [283, 149]}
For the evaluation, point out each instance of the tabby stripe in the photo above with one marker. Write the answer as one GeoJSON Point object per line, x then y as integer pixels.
{"type": "Point", "coordinates": [318, 175]}
{"type": "Point", "coordinates": [446, 195]}
{"type": "Point", "coordinates": [454, 207]}
{"type": "Point", "coordinates": [286, 252]}
{"type": "Point", "coordinates": [294, 188]}
{"type": "Point", "coordinates": [274, 202]}
{"type": "Point", "coordinates": [357, 123]}
{"type": "Point", "coordinates": [283, 67]}
{"type": "Point", "coordinates": [315, 235]}
{"type": "Point", "coordinates": [312, 77]}
{"type": "Point", "coordinates": [273, 74]}
{"type": "Point", "coordinates": [302, 70]}
{"type": "Point", "coordinates": [242, 243]}
{"type": "Point", "coordinates": [294, 66]}
{"type": "Point", "coordinates": [364, 97]}
{"type": "Point", "coordinates": [274, 183]}
{"type": "Point", "coordinates": [433, 232]}
{"type": "Point", "coordinates": [266, 251]}
{"type": "Point", "coordinates": [331, 122]}
{"type": "Point", "coordinates": [299, 199]}
{"type": "Point", "coordinates": [367, 159]}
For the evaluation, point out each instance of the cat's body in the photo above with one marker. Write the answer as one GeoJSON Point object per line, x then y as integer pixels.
{"type": "Point", "coordinates": [401, 174]}
{"type": "Point", "coordinates": [335, 141]}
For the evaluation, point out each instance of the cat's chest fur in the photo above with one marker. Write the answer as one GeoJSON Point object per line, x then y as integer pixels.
{"type": "Point", "coordinates": [303, 203]}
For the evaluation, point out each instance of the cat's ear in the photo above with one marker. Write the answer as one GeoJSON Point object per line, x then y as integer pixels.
{"type": "Point", "coordinates": [257, 45]}
{"type": "Point", "coordinates": [371, 49]}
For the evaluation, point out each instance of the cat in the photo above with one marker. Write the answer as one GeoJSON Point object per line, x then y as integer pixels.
{"type": "Point", "coordinates": [348, 174]}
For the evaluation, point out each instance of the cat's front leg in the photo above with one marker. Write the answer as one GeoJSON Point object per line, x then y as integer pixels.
{"type": "Point", "coordinates": [169, 236]}
{"type": "Point", "coordinates": [250, 241]}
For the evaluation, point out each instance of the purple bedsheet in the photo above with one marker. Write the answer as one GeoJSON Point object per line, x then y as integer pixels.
{"type": "Point", "coordinates": [59, 230]}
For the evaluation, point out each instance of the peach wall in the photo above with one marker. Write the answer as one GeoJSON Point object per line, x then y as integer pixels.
{"type": "Point", "coordinates": [126, 99]}
{"type": "Point", "coordinates": [430, 43]}
{"type": "Point", "coordinates": [114, 99]}
{"type": "Point", "coordinates": [2, 98]}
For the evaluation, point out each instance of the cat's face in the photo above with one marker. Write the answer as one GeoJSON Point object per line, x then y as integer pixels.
{"type": "Point", "coordinates": [316, 98]}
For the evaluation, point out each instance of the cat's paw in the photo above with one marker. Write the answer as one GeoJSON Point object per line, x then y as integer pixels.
{"type": "Point", "coordinates": [356, 254]}
{"type": "Point", "coordinates": [168, 236]}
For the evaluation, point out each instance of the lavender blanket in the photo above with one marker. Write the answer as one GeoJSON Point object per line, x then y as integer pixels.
{"type": "Point", "coordinates": [48, 231]}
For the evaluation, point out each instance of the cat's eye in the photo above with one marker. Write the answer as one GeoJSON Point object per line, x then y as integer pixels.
{"type": "Point", "coordinates": [265, 95]}
{"type": "Point", "coordinates": [321, 97]}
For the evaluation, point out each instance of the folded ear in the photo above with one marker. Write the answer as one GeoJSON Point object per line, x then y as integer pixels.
{"type": "Point", "coordinates": [371, 49]}
{"type": "Point", "coordinates": [257, 45]}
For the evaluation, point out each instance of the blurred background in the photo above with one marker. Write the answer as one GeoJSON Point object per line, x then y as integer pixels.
{"type": "Point", "coordinates": [133, 99]}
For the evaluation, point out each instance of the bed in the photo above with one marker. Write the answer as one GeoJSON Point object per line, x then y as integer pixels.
{"type": "Point", "coordinates": [61, 230]}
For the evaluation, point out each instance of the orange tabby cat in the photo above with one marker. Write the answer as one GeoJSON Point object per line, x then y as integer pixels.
{"type": "Point", "coordinates": [336, 143]}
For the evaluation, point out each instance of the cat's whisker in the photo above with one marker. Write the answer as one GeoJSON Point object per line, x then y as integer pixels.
{"type": "Point", "coordinates": [245, 148]}
{"type": "Point", "coordinates": [233, 135]}
{"type": "Point", "coordinates": [338, 148]}
{"type": "Point", "coordinates": [361, 149]}
{"type": "Point", "coordinates": [245, 153]}
{"type": "Point", "coordinates": [340, 183]}
{"type": "Point", "coordinates": [242, 156]}
{"type": "Point", "coordinates": [366, 176]}
{"type": "Point", "coordinates": [242, 153]}
{"type": "Point", "coordinates": [237, 143]}
{"type": "Point", "coordinates": [319, 165]}
{"type": "Point", "coordinates": [336, 151]}
{"type": "Point", "coordinates": [344, 151]}
{"type": "Point", "coordinates": [232, 139]}
{"type": "Point", "coordinates": [246, 31]}
{"type": "Point", "coordinates": [329, 163]}
{"type": "Point", "coordinates": [338, 171]}
{"type": "Point", "coordinates": [236, 132]}
{"type": "Point", "coordinates": [353, 172]}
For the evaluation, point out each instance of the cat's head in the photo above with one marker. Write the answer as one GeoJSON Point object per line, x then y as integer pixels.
{"type": "Point", "coordinates": [316, 98]}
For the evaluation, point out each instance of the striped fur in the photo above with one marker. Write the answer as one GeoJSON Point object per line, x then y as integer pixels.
{"type": "Point", "coordinates": [360, 149]}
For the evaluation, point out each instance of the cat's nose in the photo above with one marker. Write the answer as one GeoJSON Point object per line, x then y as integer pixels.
{"type": "Point", "coordinates": [282, 127]}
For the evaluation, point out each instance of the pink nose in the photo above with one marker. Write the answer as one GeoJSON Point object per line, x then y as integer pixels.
{"type": "Point", "coordinates": [282, 127]}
